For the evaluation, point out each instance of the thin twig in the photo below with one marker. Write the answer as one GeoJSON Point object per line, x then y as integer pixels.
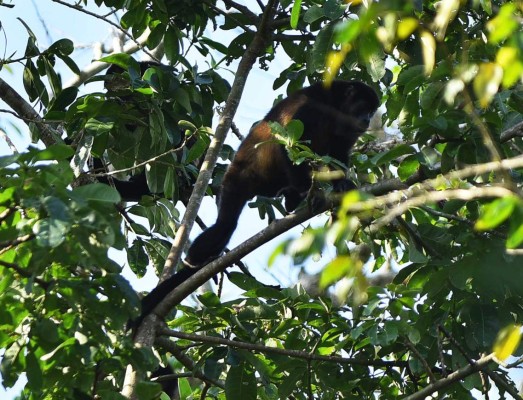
{"type": "Point", "coordinates": [8, 245]}
{"type": "Point", "coordinates": [187, 362]}
{"type": "Point", "coordinates": [416, 353]}
{"type": "Point", "coordinates": [9, 142]}
{"type": "Point", "coordinates": [26, 274]}
{"type": "Point", "coordinates": [92, 14]}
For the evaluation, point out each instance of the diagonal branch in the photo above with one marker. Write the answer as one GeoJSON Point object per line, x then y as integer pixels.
{"type": "Point", "coordinates": [48, 135]}
{"type": "Point", "coordinates": [395, 186]}
{"type": "Point", "coordinates": [460, 374]}
{"type": "Point", "coordinates": [255, 49]}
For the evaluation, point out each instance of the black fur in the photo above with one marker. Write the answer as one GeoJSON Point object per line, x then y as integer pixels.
{"type": "Point", "coordinates": [333, 119]}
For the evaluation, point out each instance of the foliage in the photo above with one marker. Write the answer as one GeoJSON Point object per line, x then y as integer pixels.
{"type": "Point", "coordinates": [440, 207]}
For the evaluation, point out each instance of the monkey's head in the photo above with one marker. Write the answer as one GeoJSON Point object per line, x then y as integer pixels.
{"type": "Point", "coordinates": [356, 101]}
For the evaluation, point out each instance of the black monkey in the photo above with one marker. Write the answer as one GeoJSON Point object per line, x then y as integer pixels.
{"type": "Point", "coordinates": [333, 118]}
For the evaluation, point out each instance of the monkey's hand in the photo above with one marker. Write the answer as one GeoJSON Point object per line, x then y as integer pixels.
{"type": "Point", "coordinates": [293, 197]}
{"type": "Point", "coordinates": [316, 199]}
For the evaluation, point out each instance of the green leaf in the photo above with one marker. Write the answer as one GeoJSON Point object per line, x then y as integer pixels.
{"type": "Point", "coordinates": [64, 99]}
{"type": "Point", "coordinates": [96, 127]}
{"type": "Point", "coordinates": [215, 45]}
{"type": "Point", "coordinates": [431, 94]}
{"type": "Point", "coordinates": [335, 270]}
{"type": "Point", "coordinates": [289, 383]}
{"type": "Point", "coordinates": [313, 14]}
{"type": "Point", "coordinates": [295, 13]}
{"type": "Point", "coordinates": [148, 390]}
{"type": "Point", "coordinates": [197, 149]}
{"type": "Point", "coordinates": [120, 59]}
{"type": "Point", "coordinates": [505, 23]}
{"type": "Point", "coordinates": [172, 45]}
{"type": "Point", "coordinates": [31, 49]}
{"type": "Point", "coordinates": [182, 97]}
{"type": "Point", "coordinates": [62, 47]}
{"type": "Point", "coordinates": [97, 192]}
{"type": "Point", "coordinates": [411, 78]}
{"type": "Point", "coordinates": [507, 341]}
{"type": "Point", "coordinates": [54, 152]}
{"type": "Point", "coordinates": [408, 167]}
{"type": "Point", "coordinates": [320, 48]}
{"type": "Point", "coordinates": [70, 63]}
{"type": "Point", "coordinates": [392, 154]}
{"type": "Point", "coordinates": [515, 233]}
{"type": "Point", "coordinates": [496, 212]}
{"type": "Point", "coordinates": [294, 130]}
{"type": "Point", "coordinates": [347, 31]}
{"type": "Point", "coordinates": [50, 232]}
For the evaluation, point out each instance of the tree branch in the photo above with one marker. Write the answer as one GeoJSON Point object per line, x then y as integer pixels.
{"type": "Point", "coordinates": [515, 131]}
{"type": "Point", "coordinates": [499, 382]}
{"type": "Point", "coordinates": [276, 350]}
{"type": "Point", "coordinates": [48, 135]}
{"type": "Point", "coordinates": [454, 377]}
{"type": "Point", "coordinates": [187, 362]}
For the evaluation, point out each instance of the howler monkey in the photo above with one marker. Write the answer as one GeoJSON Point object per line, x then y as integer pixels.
{"type": "Point", "coordinates": [333, 118]}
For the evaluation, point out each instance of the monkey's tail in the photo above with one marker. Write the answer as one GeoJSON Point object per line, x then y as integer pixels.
{"type": "Point", "coordinates": [213, 240]}
{"type": "Point", "coordinates": [161, 291]}
{"type": "Point", "coordinates": [207, 246]}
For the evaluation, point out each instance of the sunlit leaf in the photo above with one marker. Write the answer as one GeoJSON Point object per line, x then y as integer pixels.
{"type": "Point", "coordinates": [496, 212]}
{"type": "Point", "coordinates": [504, 24]}
{"type": "Point", "coordinates": [428, 45]}
{"type": "Point", "coordinates": [510, 59]}
{"type": "Point", "coordinates": [507, 341]}
{"type": "Point", "coordinates": [446, 12]}
{"type": "Point", "coordinates": [333, 63]}
{"type": "Point", "coordinates": [515, 233]}
{"type": "Point", "coordinates": [406, 27]}
{"type": "Point", "coordinates": [335, 270]}
{"type": "Point", "coordinates": [486, 83]}
{"type": "Point", "coordinates": [295, 13]}
{"type": "Point", "coordinates": [50, 232]}
{"type": "Point", "coordinates": [97, 192]}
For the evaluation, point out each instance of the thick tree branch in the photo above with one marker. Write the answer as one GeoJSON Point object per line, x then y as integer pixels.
{"type": "Point", "coordinates": [244, 10]}
{"type": "Point", "coordinates": [48, 135]}
{"type": "Point", "coordinates": [515, 131]}
{"type": "Point", "coordinates": [393, 186]}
